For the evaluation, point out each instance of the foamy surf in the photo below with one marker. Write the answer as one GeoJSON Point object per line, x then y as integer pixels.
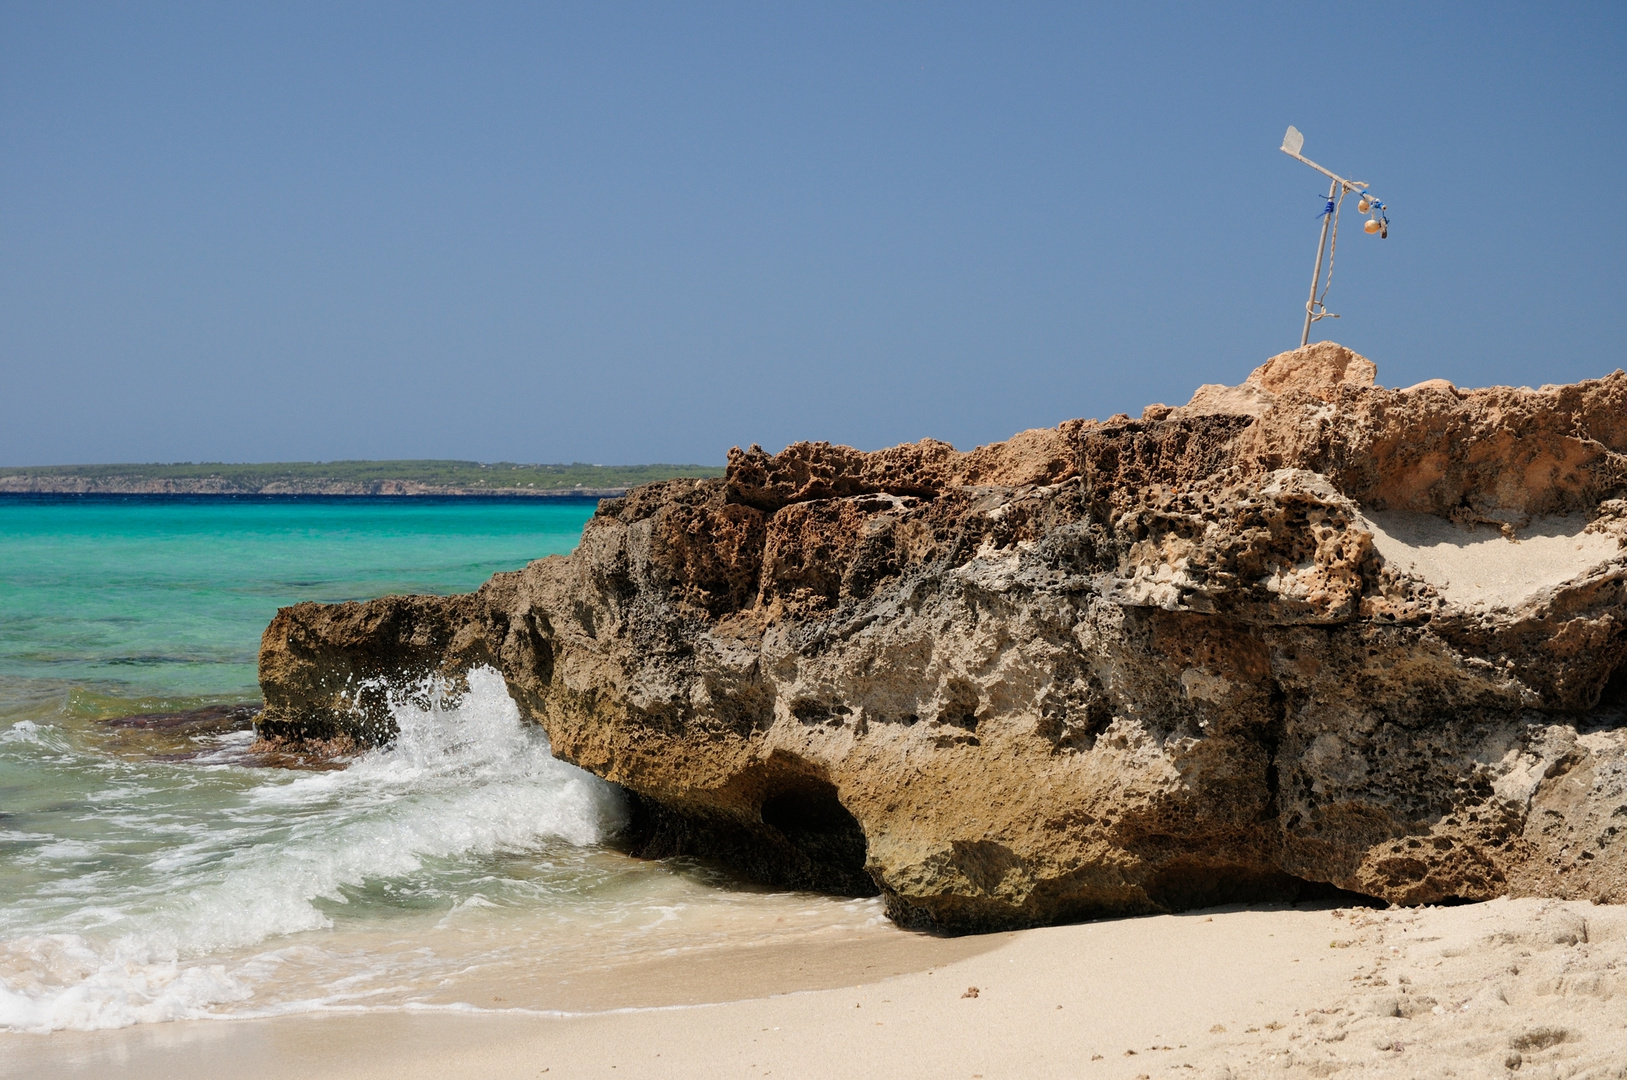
{"type": "Point", "coordinates": [153, 867]}
{"type": "Point", "coordinates": [179, 872]}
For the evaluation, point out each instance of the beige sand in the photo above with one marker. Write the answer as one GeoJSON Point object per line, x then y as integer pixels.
{"type": "Point", "coordinates": [1473, 991]}
{"type": "Point", "coordinates": [1481, 566]}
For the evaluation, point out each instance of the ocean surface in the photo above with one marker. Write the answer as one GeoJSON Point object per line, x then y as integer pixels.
{"type": "Point", "coordinates": [153, 867]}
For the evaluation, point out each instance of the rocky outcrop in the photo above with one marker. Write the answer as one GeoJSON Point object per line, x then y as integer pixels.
{"type": "Point", "coordinates": [1304, 632]}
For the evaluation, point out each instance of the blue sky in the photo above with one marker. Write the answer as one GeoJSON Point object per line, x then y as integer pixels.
{"type": "Point", "coordinates": [628, 232]}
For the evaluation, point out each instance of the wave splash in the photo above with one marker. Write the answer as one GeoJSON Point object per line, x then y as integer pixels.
{"type": "Point", "coordinates": [271, 854]}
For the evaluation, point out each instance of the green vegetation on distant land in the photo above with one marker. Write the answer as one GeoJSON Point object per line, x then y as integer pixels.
{"type": "Point", "coordinates": [502, 476]}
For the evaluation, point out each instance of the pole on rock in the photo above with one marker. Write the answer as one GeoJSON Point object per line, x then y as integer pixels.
{"type": "Point", "coordinates": [1378, 221]}
{"type": "Point", "coordinates": [1316, 271]}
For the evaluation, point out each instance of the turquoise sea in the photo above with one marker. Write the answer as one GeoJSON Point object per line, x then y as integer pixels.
{"type": "Point", "coordinates": [163, 599]}
{"type": "Point", "coordinates": [153, 868]}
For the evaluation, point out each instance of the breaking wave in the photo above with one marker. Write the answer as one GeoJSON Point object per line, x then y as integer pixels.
{"type": "Point", "coordinates": [161, 907]}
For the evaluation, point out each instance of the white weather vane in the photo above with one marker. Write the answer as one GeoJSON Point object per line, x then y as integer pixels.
{"type": "Point", "coordinates": [1378, 221]}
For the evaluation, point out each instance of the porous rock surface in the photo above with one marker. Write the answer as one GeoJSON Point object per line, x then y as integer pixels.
{"type": "Point", "coordinates": [1114, 667]}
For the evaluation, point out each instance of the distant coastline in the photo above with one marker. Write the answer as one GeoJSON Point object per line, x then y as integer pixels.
{"type": "Point", "coordinates": [341, 478]}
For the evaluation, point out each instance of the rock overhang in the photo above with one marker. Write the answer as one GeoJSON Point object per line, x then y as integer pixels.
{"type": "Point", "coordinates": [1220, 651]}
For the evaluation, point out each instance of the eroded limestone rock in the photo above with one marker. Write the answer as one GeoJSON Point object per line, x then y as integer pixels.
{"type": "Point", "coordinates": [1303, 631]}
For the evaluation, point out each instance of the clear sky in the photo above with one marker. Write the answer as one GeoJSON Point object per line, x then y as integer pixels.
{"type": "Point", "coordinates": [647, 232]}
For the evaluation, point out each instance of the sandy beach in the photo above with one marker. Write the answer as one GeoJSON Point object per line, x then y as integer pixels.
{"type": "Point", "coordinates": [1526, 986]}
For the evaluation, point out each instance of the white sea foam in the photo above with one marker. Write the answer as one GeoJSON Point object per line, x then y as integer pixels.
{"type": "Point", "coordinates": [461, 781]}
{"type": "Point", "coordinates": [21, 731]}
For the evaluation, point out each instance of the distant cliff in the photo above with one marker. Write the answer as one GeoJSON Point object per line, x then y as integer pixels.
{"type": "Point", "coordinates": [342, 478]}
{"type": "Point", "coordinates": [1305, 632]}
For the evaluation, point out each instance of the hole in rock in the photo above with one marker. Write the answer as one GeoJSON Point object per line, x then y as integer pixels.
{"type": "Point", "coordinates": [1612, 708]}
{"type": "Point", "coordinates": [1185, 885]}
{"type": "Point", "coordinates": [812, 712]}
{"type": "Point", "coordinates": [814, 821]}
{"type": "Point", "coordinates": [960, 702]}
{"type": "Point", "coordinates": [1319, 892]}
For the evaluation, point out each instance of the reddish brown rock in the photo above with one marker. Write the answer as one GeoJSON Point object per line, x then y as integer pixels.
{"type": "Point", "coordinates": [1306, 632]}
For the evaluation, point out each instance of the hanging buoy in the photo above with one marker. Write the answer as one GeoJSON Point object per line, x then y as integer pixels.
{"type": "Point", "coordinates": [1371, 207]}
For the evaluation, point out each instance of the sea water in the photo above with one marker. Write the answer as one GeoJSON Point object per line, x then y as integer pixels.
{"type": "Point", "coordinates": [151, 872]}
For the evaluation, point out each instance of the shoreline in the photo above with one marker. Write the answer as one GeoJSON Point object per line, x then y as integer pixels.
{"type": "Point", "coordinates": [384, 477]}
{"type": "Point", "coordinates": [417, 492]}
{"type": "Point", "coordinates": [1226, 993]}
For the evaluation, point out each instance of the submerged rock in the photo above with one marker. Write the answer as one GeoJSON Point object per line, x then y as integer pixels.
{"type": "Point", "coordinates": [1307, 632]}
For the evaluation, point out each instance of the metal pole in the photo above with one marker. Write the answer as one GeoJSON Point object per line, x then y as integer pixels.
{"type": "Point", "coordinates": [1316, 275]}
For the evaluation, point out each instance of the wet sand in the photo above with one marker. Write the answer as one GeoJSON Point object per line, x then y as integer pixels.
{"type": "Point", "coordinates": [1537, 987]}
